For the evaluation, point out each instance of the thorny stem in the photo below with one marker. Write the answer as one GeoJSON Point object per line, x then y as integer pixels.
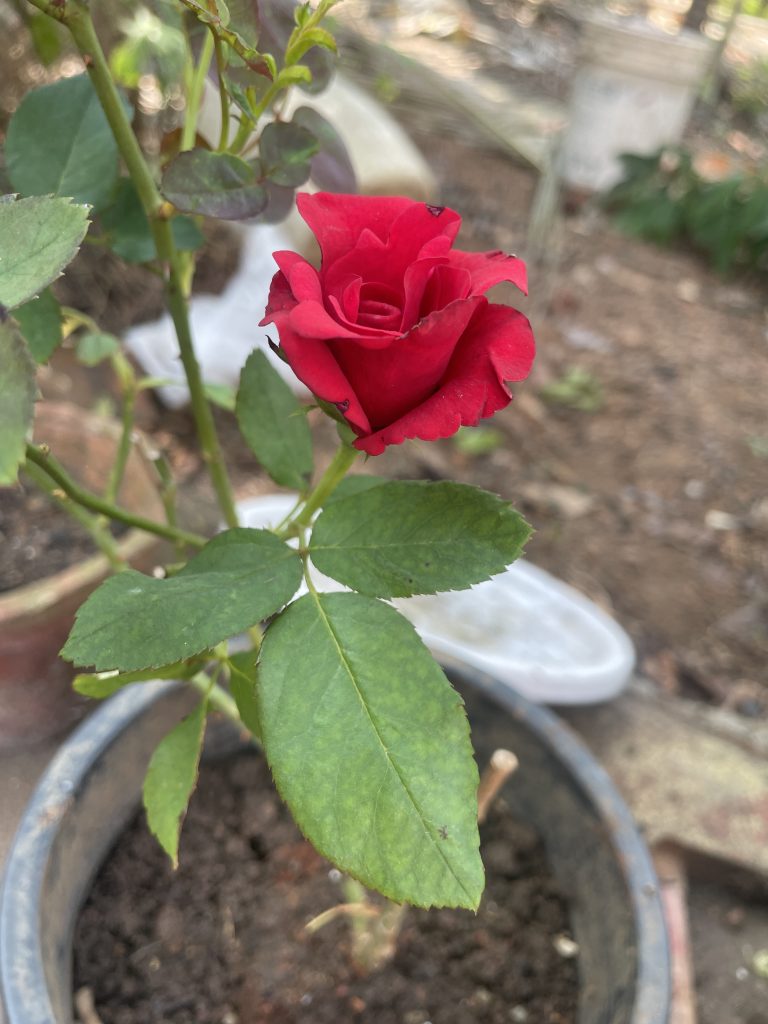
{"type": "Point", "coordinates": [93, 524]}
{"type": "Point", "coordinates": [76, 16]}
{"type": "Point", "coordinates": [42, 458]}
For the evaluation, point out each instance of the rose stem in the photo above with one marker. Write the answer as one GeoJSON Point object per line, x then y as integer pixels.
{"type": "Point", "coordinates": [330, 480]}
{"type": "Point", "coordinates": [41, 457]}
{"type": "Point", "coordinates": [76, 16]}
{"type": "Point", "coordinates": [502, 764]}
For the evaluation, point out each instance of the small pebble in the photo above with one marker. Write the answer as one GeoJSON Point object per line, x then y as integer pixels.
{"type": "Point", "coordinates": [566, 946]}
{"type": "Point", "coordinates": [716, 519]}
{"type": "Point", "coordinates": [518, 1015]}
{"type": "Point", "coordinates": [741, 973]}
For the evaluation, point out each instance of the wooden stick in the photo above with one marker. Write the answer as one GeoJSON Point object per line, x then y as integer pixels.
{"type": "Point", "coordinates": [502, 764]}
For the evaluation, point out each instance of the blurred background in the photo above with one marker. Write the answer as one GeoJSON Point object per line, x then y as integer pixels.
{"type": "Point", "coordinates": [622, 149]}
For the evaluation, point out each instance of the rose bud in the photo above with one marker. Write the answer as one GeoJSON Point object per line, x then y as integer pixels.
{"type": "Point", "coordinates": [394, 329]}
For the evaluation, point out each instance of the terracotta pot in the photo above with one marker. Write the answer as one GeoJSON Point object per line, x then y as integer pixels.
{"type": "Point", "coordinates": [36, 697]}
{"type": "Point", "coordinates": [93, 787]}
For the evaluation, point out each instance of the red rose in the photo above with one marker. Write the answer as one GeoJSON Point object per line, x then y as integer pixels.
{"type": "Point", "coordinates": [394, 329]}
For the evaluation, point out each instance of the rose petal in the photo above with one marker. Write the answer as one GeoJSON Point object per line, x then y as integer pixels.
{"type": "Point", "coordinates": [389, 381]}
{"type": "Point", "coordinates": [446, 285]}
{"type": "Point", "coordinates": [415, 234]}
{"type": "Point", "coordinates": [312, 320]}
{"type": "Point", "coordinates": [314, 364]}
{"type": "Point", "coordinates": [415, 281]}
{"type": "Point", "coordinates": [280, 298]}
{"type": "Point", "coordinates": [490, 268]}
{"type": "Point", "coordinates": [301, 275]}
{"type": "Point", "coordinates": [497, 346]}
{"type": "Point", "coordinates": [337, 221]}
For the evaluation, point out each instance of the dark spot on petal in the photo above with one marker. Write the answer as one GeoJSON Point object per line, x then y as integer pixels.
{"type": "Point", "coordinates": [343, 406]}
{"type": "Point", "coordinates": [434, 210]}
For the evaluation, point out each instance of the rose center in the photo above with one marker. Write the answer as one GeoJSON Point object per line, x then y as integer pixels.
{"type": "Point", "coordinates": [379, 307]}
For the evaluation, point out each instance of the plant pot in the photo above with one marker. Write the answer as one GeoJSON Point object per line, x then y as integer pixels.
{"type": "Point", "coordinates": [36, 696]}
{"type": "Point", "coordinates": [92, 788]}
{"type": "Point", "coordinates": [633, 92]}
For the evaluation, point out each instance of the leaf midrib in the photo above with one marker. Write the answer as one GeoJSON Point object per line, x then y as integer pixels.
{"type": "Point", "coordinates": [388, 757]}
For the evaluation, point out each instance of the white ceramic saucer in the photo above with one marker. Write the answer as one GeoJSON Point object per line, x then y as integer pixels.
{"type": "Point", "coordinates": [524, 626]}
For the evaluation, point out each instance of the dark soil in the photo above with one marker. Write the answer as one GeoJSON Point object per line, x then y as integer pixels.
{"type": "Point", "coordinates": [222, 940]}
{"type": "Point", "coordinates": [37, 539]}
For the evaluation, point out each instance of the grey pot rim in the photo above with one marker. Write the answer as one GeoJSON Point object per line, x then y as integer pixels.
{"type": "Point", "coordinates": [21, 960]}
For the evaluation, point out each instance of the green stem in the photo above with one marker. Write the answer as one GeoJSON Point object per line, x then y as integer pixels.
{"type": "Point", "coordinates": [194, 99]}
{"type": "Point", "coordinates": [223, 93]}
{"type": "Point", "coordinates": [93, 524]}
{"type": "Point", "coordinates": [78, 20]}
{"type": "Point", "coordinates": [245, 128]}
{"type": "Point", "coordinates": [201, 409]}
{"type": "Point", "coordinates": [94, 503]}
{"type": "Point", "coordinates": [123, 449]}
{"type": "Point", "coordinates": [330, 480]}
{"type": "Point", "coordinates": [218, 698]}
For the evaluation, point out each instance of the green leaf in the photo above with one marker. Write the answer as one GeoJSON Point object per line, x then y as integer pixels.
{"type": "Point", "coordinates": [354, 485]}
{"type": "Point", "coordinates": [285, 150]}
{"type": "Point", "coordinates": [369, 746]}
{"type": "Point", "coordinates": [310, 38]}
{"type": "Point", "coordinates": [17, 388]}
{"type": "Point", "coordinates": [134, 621]}
{"type": "Point", "coordinates": [40, 322]}
{"type": "Point", "coordinates": [96, 346]}
{"type": "Point", "coordinates": [242, 683]}
{"type": "Point", "coordinates": [331, 167]}
{"type": "Point", "coordinates": [59, 141]}
{"type": "Point", "coordinates": [38, 238]}
{"type": "Point", "coordinates": [129, 233]}
{"type": "Point", "coordinates": [151, 46]}
{"type": "Point", "coordinates": [100, 685]}
{"type": "Point", "coordinates": [414, 537]}
{"type": "Point", "coordinates": [171, 779]}
{"type": "Point", "coordinates": [214, 184]}
{"type": "Point", "coordinates": [297, 74]}
{"type": "Point", "coordinates": [220, 394]}
{"type": "Point", "coordinates": [270, 419]}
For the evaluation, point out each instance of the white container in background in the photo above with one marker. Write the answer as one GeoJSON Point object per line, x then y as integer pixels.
{"type": "Point", "coordinates": [524, 627]}
{"type": "Point", "coordinates": [633, 92]}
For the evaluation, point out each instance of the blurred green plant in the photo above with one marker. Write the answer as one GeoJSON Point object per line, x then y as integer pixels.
{"type": "Point", "coordinates": [748, 88]}
{"type": "Point", "coordinates": [758, 445]}
{"type": "Point", "coordinates": [664, 199]}
{"type": "Point", "coordinates": [576, 389]}
{"type": "Point", "coordinates": [476, 441]}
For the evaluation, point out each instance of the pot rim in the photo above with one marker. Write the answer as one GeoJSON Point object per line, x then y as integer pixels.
{"type": "Point", "coordinates": [21, 960]}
